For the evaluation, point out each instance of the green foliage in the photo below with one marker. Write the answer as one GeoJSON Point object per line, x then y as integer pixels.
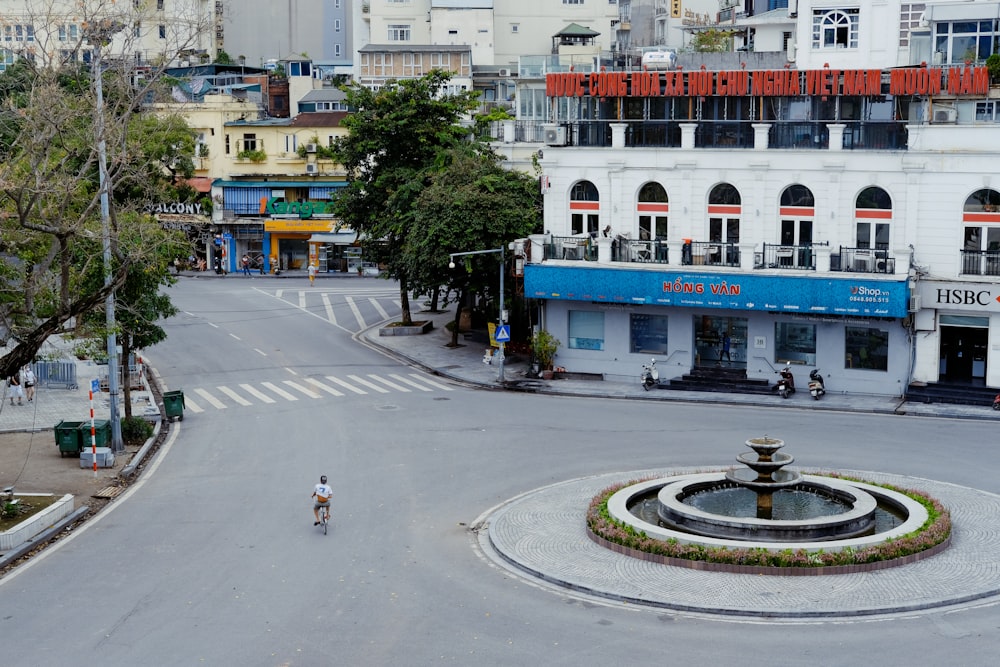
{"type": "Point", "coordinates": [223, 58]}
{"type": "Point", "coordinates": [322, 152]}
{"type": "Point", "coordinates": [136, 430]}
{"type": "Point", "coordinates": [712, 40]}
{"type": "Point", "coordinates": [252, 155]}
{"type": "Point", "coordinates": [544, 346]}
{"type": "Point", "coordinates": [993, 67]}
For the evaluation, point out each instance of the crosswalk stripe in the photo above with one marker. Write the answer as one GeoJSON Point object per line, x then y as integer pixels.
{"type": "Point", "coordinates": [433, 383]}
{"type": "Point", "coordinates": [368, 384]}
{"type": "Point", "coordinates": [330, 314]}
{"type": "Point", "coordinates": [191, 405]}
{"type": "Point", "coordinates": [212, 400]}
{"type": "Point", "coordinates": [233, 395]}
{"type": "Point", "coordinates": [256, 394]}
{"type": "Point", "coordinates": [305, 390]}
{"type": "Point", "coordinates": [397, 387]}
{"type": "Point", "coordinates": [421, 387]}
{"type": "Point", "coordinates": [302, 300]}
{"type": "Point", "coordinates": [279, 391]}
{"type": "Point", "coordinates": [378, 307]}
{"type": "Point", "coordinates": [325, 387]}
{"type": "Point", "coordinates": [354, 309]}
{"type": "Point", "coordinates": [345, 385]}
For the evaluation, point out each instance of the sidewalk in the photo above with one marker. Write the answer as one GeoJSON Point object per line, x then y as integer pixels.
{"type": "Point", "coordinates": [465, 364]}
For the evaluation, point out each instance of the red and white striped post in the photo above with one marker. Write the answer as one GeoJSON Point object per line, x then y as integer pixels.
{"type": "Point", "coordinates": [93, 432]}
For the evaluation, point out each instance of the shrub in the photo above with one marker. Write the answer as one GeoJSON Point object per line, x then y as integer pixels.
{"type": "Point", "coordinates": [136, 430]}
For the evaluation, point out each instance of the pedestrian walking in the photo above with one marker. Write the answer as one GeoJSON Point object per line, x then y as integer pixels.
{"type": "Point", "coordinates": [312, 272]}
{"type": "Point", "coordinates": [245, 264]}
{"type": "Point", "coordinates": [14, 384]}
{"type": "Point", "coordinates": [28, 381]}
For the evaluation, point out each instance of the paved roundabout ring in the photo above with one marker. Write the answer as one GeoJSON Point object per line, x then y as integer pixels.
{"type": "Point", "coordinates": [542, 534]}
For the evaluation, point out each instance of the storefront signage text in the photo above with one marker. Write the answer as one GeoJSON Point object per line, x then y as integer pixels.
{"type": "Point", "coordinates": [189, 208]}
{"type": "Point", "coordinates": [781, 82]}
{"type": "Point", "coordinates": [304, 209]}
{"type": "Point", "coordinates": [964, 297]}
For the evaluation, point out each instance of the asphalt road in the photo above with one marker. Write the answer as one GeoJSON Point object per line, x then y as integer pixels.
{"type": "Point", "coordinates": [213, 558]}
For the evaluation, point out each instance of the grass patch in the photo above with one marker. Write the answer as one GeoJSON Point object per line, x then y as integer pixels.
{"type": "Point", "coordinates": [25, 508]}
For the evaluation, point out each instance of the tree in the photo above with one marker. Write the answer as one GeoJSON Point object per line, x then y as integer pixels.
{"type": "Point", "coordinates": [397, 135]}
{"type": "Point", "coordinates": [51, 250]}
{"type": "Point", "coordinates": [712, 40]}
{"type": "Point", "coordinates": [471, 203]}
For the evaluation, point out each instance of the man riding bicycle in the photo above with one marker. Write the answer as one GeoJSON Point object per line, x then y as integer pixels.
{"type": "Point", "coordinates": [322, 493]}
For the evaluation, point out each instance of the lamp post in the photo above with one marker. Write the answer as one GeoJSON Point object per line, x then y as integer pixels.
{"type": "Point", "coordinates": [500, 344]}
{"type": "Point", "coordinates": [100, 35]}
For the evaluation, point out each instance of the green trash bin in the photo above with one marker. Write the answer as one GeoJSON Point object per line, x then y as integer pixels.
{"type": "Point", "coordinates": [173, 403]}
{"type": "Point", "coordinates": [68, 437]}
{"type": "Point", "coordinates": [102, 433]}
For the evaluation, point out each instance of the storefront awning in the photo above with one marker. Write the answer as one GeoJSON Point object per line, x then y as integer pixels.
{"type": "Point", "coordinates": [338, 238]}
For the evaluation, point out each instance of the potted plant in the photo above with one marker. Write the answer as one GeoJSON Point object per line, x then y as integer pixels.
{"type": "Point", "coordinates": [544, 346]}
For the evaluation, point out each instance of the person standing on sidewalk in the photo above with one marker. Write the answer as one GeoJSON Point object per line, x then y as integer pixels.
{"type": "Point", "coordinates": [14, 383]}
{"type": "Point", "coordinates": [245, 264]}
{"type": "Point", "coordinates": [28, 381]}
{"type": "Point", "coordinates": [312, 272]}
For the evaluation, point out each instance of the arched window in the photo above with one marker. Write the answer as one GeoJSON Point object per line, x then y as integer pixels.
{"type": "Point", "coordinates": [981, 217]}
{"type": "Point", "coordinates": [653, 207]}
{"type": "Point", "coordinates": [835, 28]}
{"type": "Point", "coordinates": [796, 212]}
{"type": "Point", "coordinates": [584, 208]}
{"type": "Point", "coordinates": [872, 216]}
{"type": "Point", "coordinates": [724, 210]}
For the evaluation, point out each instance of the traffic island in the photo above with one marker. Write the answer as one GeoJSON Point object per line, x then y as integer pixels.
{"type": "Point", "coordinates": [400, 329]}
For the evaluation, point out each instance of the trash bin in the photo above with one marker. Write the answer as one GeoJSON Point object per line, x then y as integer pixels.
{"type": "Point", "coordinates": [68, 437]}
{"type": "Point", "coordinates": [173, 402]}
{"type": "Point", "coordinates": [102, 433]}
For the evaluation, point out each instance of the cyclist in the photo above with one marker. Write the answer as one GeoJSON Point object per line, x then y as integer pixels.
{"type": "Point", "coordinates": [322, 493]}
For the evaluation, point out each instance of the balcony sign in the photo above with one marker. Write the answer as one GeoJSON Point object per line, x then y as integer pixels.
{"type": "Point", "coordinates": [304, 209]}
{"type": "Point", "coordinates": [784, 294]}
{"type": "Point", "coordinates": [781, 82]}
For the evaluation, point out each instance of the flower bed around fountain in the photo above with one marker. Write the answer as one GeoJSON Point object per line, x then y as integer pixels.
{"type": "Point", "coordinates": [926, 532]}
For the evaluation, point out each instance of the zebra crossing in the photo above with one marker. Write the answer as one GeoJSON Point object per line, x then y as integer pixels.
{"type": "Point", "coordinates": [223, 397]}
{"type": "Point", "coordinates": [349, 309]}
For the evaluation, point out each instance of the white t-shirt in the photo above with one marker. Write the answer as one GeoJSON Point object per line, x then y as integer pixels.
{"type": "Point", "coordinates": [323, 490]}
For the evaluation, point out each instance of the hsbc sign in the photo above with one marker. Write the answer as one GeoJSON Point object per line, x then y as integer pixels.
{"type": "Point", "coordinates": [978, 297]}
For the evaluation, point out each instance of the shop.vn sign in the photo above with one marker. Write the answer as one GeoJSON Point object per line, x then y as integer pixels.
{"type": "Point", "coordinates": [782, 82]}
{"type": "Point", "coordinates": [303, 209]}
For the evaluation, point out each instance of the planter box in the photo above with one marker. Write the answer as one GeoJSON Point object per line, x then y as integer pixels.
{"type": "Point", "coordinates": [415, 329]}
{"type": "Point", "coordinates": [36, 523]}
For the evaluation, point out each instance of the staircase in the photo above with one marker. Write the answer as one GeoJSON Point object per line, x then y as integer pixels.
{"type": "Point", "coordinates": [946, 392]}
{"type": "Point", "coordinates": [728, 380]}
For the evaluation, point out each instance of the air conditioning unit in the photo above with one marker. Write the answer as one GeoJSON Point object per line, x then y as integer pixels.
{"type": "Point", "coordinates": [944, 114]}
{"type": "Point", "coordinates": [310, 148]}
{"type": "Point", "coordinates": [914, 305]}
{"type": "Point", "coordinates": [555, 135]}
{"type": "Point", "coordinates": [312, 168]}
{"type": "Point", "coordinates": [504, 72]}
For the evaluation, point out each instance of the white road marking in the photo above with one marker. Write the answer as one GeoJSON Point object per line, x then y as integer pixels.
{"type": "Point", "coordinates": [191, 405]}
{"type": "Point", "coordinates": [330, 315]}
{"type": "Point", "coordinates": [433, 383]}
{"type": "Point", "coordinates": [354, 309]}
{"type": "Point", "coordinates": [235, 336]}
{"type": "Point", "coordinates": [260, 352]}
{"type": "Point", "coordinates": [256, 394]}
{"type": "Point", "coordinates": [213, 325]}
{"type": "Point", "coordinates": [302, 300]}
{"type": "Point", "coordinates": [368, 384]}
{"type": "Point", "coordinates": [233, 395]}
{"type": "Point", "coordinates": [305, 390]}
{"type": "Point", "coordinates": [279, 391]}
{"type": "Point", "coordinates": [290, 370]}
{"type": "Point", "coordinates": [212, 400]}
{"type": "Point", "coordinates": [345, 385]}
{"type": "Point", "coordinates": [400, 378]}
{"type": "Point", "coordinates": [397, 387]}
{"type": "Point", "coordinates": [379, 308]}
{"type": "Point", "coordinates": [279, 293]}
{"type": "Point", "coordinates": [325, 387]}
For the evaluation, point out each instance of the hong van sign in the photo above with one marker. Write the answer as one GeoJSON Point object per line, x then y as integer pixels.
{"type": "Point", "coordinates": [303, 209]}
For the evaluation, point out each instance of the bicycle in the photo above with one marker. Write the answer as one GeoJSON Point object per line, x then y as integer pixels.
{"type": "Point", "coordinates": [324, 518]}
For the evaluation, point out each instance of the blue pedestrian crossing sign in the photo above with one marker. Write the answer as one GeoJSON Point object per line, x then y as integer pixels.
{"type": "Point", "coordinates": [503, 334]}
{"type": "Point", "coordinates": [95, 385]}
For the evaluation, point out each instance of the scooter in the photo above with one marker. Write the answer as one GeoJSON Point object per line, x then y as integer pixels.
{"type": "Point", "coordinates": [816, 386]}
{"type": "Point", "coordinates": [996, 402]}
{"type": "Point", "coordinates": [650, 377]}
{"type": "Point", "coordinates": [785, 385]}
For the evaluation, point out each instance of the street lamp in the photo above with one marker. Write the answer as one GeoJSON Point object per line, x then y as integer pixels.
{"type": "Point", "coordinates": [500, 344]}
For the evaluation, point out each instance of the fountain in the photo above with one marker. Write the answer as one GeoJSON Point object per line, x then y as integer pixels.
{"type": "Point", "coordinates": [764, 504]}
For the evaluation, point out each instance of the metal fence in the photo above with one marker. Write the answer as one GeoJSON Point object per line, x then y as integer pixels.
{"type": "Point", "coordinates": [55, 374]}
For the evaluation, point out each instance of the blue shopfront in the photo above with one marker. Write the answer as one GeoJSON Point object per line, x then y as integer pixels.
{"type": "Point", "coordinates": [611, 320]}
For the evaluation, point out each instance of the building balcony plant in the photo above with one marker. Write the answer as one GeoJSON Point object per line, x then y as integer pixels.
{"type": "Point", "coordinates": [256, 156]}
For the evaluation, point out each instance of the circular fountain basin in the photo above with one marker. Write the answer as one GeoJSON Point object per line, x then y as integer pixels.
{"type": "Point", "coordinates": [857, 517]}
{"type": "Point", "coordinates": [746, 536]}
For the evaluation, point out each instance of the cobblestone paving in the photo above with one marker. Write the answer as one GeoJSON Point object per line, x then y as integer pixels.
{"type": "Point", "coordinates": [543, 534]}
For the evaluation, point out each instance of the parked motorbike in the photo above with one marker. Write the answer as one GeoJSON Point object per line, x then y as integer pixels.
{"type": "Point", "coordinates": [996, 402]}
{"type": "Point", "coordinates": [650, 377]}
{"type": "Point", "coordinates": [816, 385]}
{"type": "Point", "coordinates": [785, 385]}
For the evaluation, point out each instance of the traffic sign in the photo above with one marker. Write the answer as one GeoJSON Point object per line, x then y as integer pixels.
{"type": "Point", "coordinates": [95, 386]}
{"type": "Point", "coordinates": [503, 333]}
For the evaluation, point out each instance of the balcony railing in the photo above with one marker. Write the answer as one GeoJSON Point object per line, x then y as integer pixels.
{"type": "Point", "coordinates": [572, 247]}
{"type": "Point", "coordinates": [981, 262]}
{"type": "Point", "coordinates": [711, 253]}
{"type": "Point", "coordinates": [863, 260]}
{"type": "Point", "coordinates": [787, 257]}
{"type": "Point", "coordinates": [639, 251]}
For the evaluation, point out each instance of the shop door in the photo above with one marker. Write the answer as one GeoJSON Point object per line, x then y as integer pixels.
{"type": "Point", "coordinates": [720, 342]}
{"type": "Point", "coordinates": [293, 254]}
{"type": "Point", "coordinates": [963, 354]}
